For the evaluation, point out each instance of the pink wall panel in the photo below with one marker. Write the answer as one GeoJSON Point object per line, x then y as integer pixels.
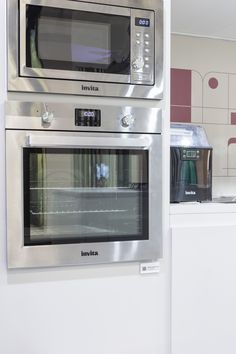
{"type": "Point", "coordinates": [180, 114]}
{"type": "Point", "coordinates": [181, 87]}
{"type": "Point", "coordinates": [233, 118]}
{"type": "Point", "coordinates": [181, 82]}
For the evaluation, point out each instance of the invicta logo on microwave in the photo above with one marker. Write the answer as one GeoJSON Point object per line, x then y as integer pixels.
{"type": "Point", "coordinates": [89, 88]}
{"type": "Point", "coordinates": [88, 254]}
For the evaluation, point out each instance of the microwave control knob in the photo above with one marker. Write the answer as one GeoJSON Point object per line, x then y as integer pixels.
{"type": "Point", "coordinates": [127, 121]}
{"type": "Point", "coordinates": [138, 63]}
{"type": "Point", "coordinates": [47, 117]}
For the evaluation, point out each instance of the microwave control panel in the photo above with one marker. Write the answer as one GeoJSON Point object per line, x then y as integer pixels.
{"type": "Point", "coordinates": [87, 117]}
{"type": "Point", "coordinates": [142, 48]}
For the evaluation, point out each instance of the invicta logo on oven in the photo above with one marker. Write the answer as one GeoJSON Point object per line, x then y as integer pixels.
{"type": "Point", "coordinates": [88, 254]}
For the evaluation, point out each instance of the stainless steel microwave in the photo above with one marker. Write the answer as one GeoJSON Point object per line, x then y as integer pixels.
{"type": "Point", "coordinates": [86, 47]}
{"type": "Point", "coordinates": [84, 184]}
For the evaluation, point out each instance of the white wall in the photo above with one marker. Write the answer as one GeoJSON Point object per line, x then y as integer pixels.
{"type": "Point", "coordinates": [89, 310]}
{"type": "Point", "coordinates": [213, 107]}
{"type": "Point", "coordinates": [202, 54]}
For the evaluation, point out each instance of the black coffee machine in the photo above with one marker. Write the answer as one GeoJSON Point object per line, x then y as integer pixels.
{"type": "Point", "coordinates": [190, 164]}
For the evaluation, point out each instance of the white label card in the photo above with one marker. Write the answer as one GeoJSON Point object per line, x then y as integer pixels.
{"type": "Point", "coordinates": [148, 268]}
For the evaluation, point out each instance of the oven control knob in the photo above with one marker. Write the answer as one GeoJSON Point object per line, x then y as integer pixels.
{"type": "Point", "coordinates": [127, 121]}
{"type": "Point", "coordinates": [138, 63]}
{"type": "Point", "coordinates": [47, 117]}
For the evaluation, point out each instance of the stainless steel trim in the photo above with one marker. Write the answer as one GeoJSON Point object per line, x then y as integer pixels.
{"type": "Point", "coordinates": [78, 5]}
{"type": "Point", "coordinates": [29, 115]}
{"type": "Point", "coordinates": [72, 75]}
{"type": "Point", "coordinates": [22, 39]}
{"type": "Point", "coordinates": [33, 140]}
{"type": "Point", "coordinates": [110, 86]}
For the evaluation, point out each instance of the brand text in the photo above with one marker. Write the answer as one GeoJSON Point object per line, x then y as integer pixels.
{"type": "Point", "coordinates": [190, 193]}
{"type": "Point", "coordinates": [88, 254]}
{"type": "Point", "coordinates": [89, 88]}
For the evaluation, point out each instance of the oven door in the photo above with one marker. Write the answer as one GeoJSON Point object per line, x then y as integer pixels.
{"type": "Point", "coordinates": [80, 198]}
{"type": "Point", "coordinates": [74, 41]}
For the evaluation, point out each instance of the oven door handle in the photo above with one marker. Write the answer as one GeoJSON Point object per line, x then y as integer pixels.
{"type": "Point", "coordinates": [141, 142]}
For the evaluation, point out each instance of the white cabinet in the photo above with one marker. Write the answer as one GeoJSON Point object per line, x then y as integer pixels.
{"type": "Point", "coordinates": [204, 285]}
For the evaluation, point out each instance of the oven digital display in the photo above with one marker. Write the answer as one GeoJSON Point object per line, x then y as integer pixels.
{"type": "Point", "coordinates": [143, 22]}
{"type": "Point", "coordinates": [88, 117]}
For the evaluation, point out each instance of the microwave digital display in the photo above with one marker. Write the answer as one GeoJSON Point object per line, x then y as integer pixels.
{"type": "Point", "coordinates": [143, 22]}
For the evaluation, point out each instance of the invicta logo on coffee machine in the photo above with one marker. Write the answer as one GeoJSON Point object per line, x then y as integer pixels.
{"type": "Point", "coordinates": [88, 254]}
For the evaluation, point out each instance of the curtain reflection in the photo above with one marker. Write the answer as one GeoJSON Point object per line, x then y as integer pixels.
{"type": "Point", "coordinates": [85, 169]}
{"type": "Point", "coordinates": [104, 168]}
{"type": "Point", "coordinates": [37, 183]}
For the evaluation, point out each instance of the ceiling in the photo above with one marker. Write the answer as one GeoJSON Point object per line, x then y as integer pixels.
{"type": "Point", "coordinates": [207, 18]}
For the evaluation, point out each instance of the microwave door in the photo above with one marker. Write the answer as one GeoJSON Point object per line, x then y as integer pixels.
{"type": "Point", "coordinates": [75, 41]}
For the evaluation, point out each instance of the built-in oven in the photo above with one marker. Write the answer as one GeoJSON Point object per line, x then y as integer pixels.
{"type": "Point", "coordinates": [86, 47]}
{"type": "Point", "coordinates": [84, 184]}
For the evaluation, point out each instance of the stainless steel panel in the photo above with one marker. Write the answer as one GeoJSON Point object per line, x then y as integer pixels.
{"type": "Point", "coordinates": [72, 75]}
{"type": "Point", "coordinates": [49, 140]}
{"type": "Point", "coordinates": [28, 115]}
{"type": "Point", "coordinates": [91, 88]}
{"type": "Point", "coordinates": [142, 74]}
{"type": "Point", "coordinates": [79, 5]}
{"type": "Point", "coordinates": [72, 254]}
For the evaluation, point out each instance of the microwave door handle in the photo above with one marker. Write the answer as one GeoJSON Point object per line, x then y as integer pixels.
{"type": "Point", "coordinates": [32, 140]}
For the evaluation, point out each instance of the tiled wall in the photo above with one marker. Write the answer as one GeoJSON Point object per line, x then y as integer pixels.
{"type": "Point", "coordinates": [208, 98]}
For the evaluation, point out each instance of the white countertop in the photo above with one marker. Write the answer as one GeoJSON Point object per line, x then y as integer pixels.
{"type": "Point", "coordinates": [202, 214]}
{"type": "Point", "coordinates": [202, 208]}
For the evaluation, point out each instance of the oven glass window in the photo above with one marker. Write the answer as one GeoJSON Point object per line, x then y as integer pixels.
{"type": "Point", "coordinates": [85, 195]}
{"type": "Point", "coordinates": [63, 39]}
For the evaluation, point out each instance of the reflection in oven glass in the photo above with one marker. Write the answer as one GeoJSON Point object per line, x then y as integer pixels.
{"type": "Point", "coordinates": [85, 195]}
